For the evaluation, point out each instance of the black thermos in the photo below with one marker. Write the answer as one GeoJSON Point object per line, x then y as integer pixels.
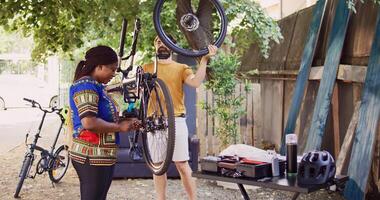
{"type": "Point", "coordinates": [291, 154]}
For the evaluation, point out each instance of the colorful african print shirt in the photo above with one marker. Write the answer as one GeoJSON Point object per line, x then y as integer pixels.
{"type": "Point", "coordinates": [89, 98]}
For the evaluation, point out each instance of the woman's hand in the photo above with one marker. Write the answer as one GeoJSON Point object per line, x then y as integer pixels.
{"type": "Point", "coordinates": [129, 124]}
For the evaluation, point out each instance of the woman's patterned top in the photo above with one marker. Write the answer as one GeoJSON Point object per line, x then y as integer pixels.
{"type": "Point", "coordinates": [89, 98]}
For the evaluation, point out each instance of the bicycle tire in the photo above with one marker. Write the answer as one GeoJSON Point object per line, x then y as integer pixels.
{"type": "Point", "coordinates": [159, 168]}
{"type": "Point", "coordinates": [2, 104]}
{"type": "Point", "coordinates": [185, 52]}
{"type": "Point", "coordinates": [54, 102]}
{"type": "Point", "coordinates": [52, 169]}
{"type": "Point", "coordinates": [24, 170]}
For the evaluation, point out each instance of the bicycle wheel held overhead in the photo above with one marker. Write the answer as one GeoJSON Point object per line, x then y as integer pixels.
{"type": "Point", "coordinates": [192, 23]}
{"type": "Point", "coordinates": [159, 135]}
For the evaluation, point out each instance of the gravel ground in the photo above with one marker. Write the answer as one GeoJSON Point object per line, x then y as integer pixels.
{"type": "Point", "coordinates": [68, 188]}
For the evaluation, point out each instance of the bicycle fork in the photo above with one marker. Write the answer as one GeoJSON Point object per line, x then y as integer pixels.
{"type": "Point", "coordinates": [25, 162]}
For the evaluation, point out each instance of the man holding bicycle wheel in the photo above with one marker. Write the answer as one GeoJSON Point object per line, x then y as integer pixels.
{"type": "Point", "coordinates": [175, 75]}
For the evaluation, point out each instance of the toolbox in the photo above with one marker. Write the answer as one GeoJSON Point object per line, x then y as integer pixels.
{"type": "Point", "coordinates": [210, 164]}
{"type": "Point", "coordinates": [258, 169]}
{"type": "Point", "coordinates": [216, 163]}
{"type": "Point", "coordinates": [223, 165]}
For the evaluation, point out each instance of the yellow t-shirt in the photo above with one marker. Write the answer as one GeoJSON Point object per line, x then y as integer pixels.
{"type": "Point", "coordinates": [174, 76]}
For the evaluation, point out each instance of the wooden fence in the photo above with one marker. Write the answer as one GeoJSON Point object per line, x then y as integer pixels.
{"type": "Point", "coordinates": [206, 129]}
{"type": "Point", "coordinates": [268, 102]}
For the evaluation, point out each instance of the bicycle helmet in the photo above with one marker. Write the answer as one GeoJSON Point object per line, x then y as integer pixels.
{"type": "Point", "coordinates": [316, 167]}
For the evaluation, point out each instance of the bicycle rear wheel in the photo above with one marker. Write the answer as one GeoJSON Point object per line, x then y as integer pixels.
{"type": "Point", "coordinates": [26, 165]}
{"type": "Point", "coordinates": [208, 21]}
{"type": "Point", "coordinates": [59, 164]}
{"type": "Point", "coordinates": [159, 135]}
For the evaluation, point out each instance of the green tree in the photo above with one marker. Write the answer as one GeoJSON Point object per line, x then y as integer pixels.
{"type": "Point", "coordinates": [15, 43]}
{"type": "Point", "coordinates": [67, 25]}
{"type": "Point", "coordinates": [226, 107]}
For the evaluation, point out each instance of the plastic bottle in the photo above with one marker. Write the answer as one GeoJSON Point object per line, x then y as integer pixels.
{"type": "Point", "coordinates": [275, 165]}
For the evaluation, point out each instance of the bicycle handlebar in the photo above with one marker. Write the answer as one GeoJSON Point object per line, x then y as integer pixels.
{"type": "Point", "coordinates": [133, 48]}
{"type": "Point", "coordinates": [36, 104]}
{"type": "Point", "coordinates": [131, 55]}
{"type": "Point", "coordinates": [28, 100]}
{"type": "Point", "coordinates": [135, 36]}
{"type": "Point", "coordinates": [122, 37]}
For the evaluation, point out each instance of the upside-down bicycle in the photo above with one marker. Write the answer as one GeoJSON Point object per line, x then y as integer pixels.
{"type": "Point", "coordinates": [155, 110]}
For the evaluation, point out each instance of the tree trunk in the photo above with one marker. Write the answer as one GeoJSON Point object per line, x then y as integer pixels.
{"type": "Point", "coordinates": [201, 37]}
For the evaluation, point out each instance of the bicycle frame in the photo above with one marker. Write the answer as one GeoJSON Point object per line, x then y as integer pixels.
{"type": "Point", "coordinates": [34, 147]}
{"type": "Point", "coordinates": [141, 76]}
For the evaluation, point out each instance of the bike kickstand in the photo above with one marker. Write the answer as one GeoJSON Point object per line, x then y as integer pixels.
{"type": "Point", "coordinates": [33, 176]}
{"type": "Point", "coordinates": [52, 184]}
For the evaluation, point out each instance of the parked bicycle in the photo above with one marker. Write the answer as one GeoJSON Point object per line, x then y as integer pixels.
{"type": "Point", "coordinates": [55, 161]}
{"type": "Point", "coordinates": [155, 111]}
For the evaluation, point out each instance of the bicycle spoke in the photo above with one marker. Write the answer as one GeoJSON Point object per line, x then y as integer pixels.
{"type": "Point", "coordinates": [195, 30]}
{"type": "Point", "coordinates": [157, 146]}
{"type": "Point", "coordinates": [158, 142]}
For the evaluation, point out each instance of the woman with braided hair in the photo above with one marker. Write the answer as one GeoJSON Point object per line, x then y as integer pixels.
{"type": "Point", "coordinates": [95, 123]}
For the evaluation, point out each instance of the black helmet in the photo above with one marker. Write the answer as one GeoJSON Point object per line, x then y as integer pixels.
{"type": "Point", "coordinates": [316, 167]}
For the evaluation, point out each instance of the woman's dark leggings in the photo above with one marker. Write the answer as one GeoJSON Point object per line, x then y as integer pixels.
{"type": "Point", "coordinates": [94, 180]}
